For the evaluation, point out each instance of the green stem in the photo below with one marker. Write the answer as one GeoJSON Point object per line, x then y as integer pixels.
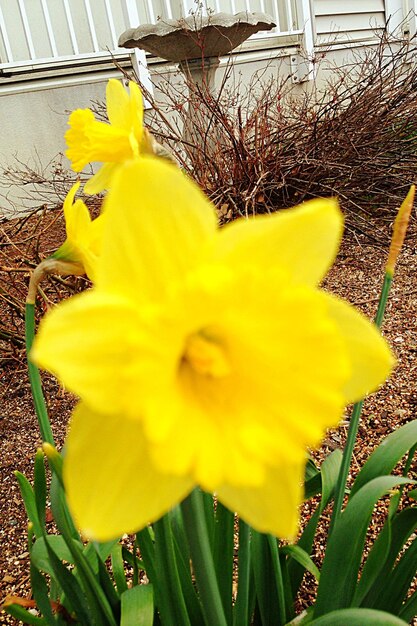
{"type": "Point", "coordinates": [241, 615]}
{"type": "Point", "coordinates": [35, 379]}
{"type": "Point", "coordinates": [202, 558]}
{"type": "Point", "coordinates": [354, 420]}
{"type": "Point", "coordinates": [383, 298]}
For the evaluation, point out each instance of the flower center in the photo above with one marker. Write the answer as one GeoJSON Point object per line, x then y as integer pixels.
{"type": "Point", "coordinates": [206, 356]}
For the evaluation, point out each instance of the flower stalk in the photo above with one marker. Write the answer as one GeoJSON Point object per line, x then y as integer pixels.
{"type": "Point", "coordinates": [400, 230]}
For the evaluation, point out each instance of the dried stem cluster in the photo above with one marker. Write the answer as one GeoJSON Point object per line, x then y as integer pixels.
{"type": "Point", "coordinates": [265, 147]}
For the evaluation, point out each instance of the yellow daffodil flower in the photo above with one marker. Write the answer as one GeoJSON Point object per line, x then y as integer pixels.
{"type": "Point", "coordinates": [91, 140]}
{"type": "Point", "coordinates": [203, 357]}
{"type": "Point", "coordinates": [84, 235]}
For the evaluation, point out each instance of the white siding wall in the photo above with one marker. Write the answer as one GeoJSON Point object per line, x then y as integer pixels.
{"type": "Point", "coordinates": [350, 20]}
{"type": "Point", "coordinates": [58, 28]}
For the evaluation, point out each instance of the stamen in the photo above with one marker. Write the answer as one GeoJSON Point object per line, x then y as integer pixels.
{"type": "Point", "coordinates": [206, 356]}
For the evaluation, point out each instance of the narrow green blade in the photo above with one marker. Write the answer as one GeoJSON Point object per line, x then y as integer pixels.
{"type": "Point", "coordinates": [30, 503]}
{"type": "Point", "coordinates": [41, 595]}
{"type": "Point", "coordinates": [383, 554]}
{"type": "Point", "coordinates": [24, 616]}
{"type": "Point", "coordinates": [396, 587]}
{"type": "Point", "coordinates": [118, 568]}
{"type": "Point", "coordinates": [344, 552]}
{"type": "Point", "coordinates": [387, 455]}
{"type": "Point", "coordinates": [301, 556]}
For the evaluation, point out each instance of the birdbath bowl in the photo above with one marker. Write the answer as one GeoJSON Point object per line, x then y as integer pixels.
{"type": "Point", "coordinates": [196, 43]}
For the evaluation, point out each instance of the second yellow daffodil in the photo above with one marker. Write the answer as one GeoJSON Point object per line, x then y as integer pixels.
{"type": "Point", "coordinates": [123, 138]}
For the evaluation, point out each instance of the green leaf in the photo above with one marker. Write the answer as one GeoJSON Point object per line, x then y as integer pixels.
{"type": "Point", "coordinates": [396, 586]}
{"type": "Point", "coordinates": [409, 608]}
{"type": "Point", "coordinates": [147, 551]}
{"type": "Point", "coordinates": [118, 568]}
{"type": "Point", "coordinates": [197, 531]}
{"type": "Point", "coordinates": [279, 578]}
{"type": "Point", "coordinates": [103, 549]}
{"type": "Point", "coordinates": [24, 616]}
{"type": "Point", "coordinates": [344, 552]}
{"type": "Point", "coordinates": [41, 595]}
{"type": "Point", "coordinates": [311, 469]}
{"type": "Point", "coordinates": [329, 473]}
{"type": "Point", "coordinates": [266, 591]}
{"type": "Point", "coordinates": [100, 610]}
{"type": "Point", "coordinates": [75, 598]}
{"type": "Point", "coordinates": [93, 588]}
{"type": "Point", "coordinates": [137, 606]}
{"type": "Point", "coordinates": [59, 507]}
{"type": "Point", "coordinates": [312, 479]}
{"type": "Point", "coordinates": [171, 601]}
{"type": "Point", "coordinates": [383, 460]}
{"type": "Point", "coordinates": [301, 556]}
{"type": "Point", "coordinates": [208, 502]}
{"type": "Point", "coordinates": [382, 556]}
{"type": "Point", "coordinates": [55, 460]}
{"type": "Point", "coordinates": [312, 486]}
{"type": "Point", "coordinates": [188, 587]}
{"type": "Point", "coordinates": [29, 502]}
{"type": "Point", "coordinates": [108, 588]}
{"type": "Point", "coordinates": [132, 559]}
{"type": "Point", "coordinates": [295, 570]}
{"type": "Point", "coordinates": [358, 617]}
{"type": "Point", "coordinates": [39, 553]}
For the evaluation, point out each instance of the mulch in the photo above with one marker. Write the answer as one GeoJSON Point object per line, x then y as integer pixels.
{"type": "Point", "coordinates": [356, 276]}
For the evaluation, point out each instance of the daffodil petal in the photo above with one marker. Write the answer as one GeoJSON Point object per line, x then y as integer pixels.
{"type": "Point", "coordinates": [370, 356]}
{"type": "Point", "coordinates": [117, 104]}
{"type": "Point", "coordinates": [68, 202]}
{"type": "Point", "coordinates": [102, 179]}
{"type": "Point", "coordinates": [272, 507]}
{"type": "Point", "coordinates": [136, 110]}
{"type": "Point", "coordinates": [80, 343]}
{"type": "Point", "coordinates": [91, 249]}
{"type": "Point", "coordinates": [111, 485]}
{"type": "Point", "coordinates": [158, 225]}
{"type": "Point", "coordinates": [304, 240]}
{"type": "Point", "coordinates": [77, 221]}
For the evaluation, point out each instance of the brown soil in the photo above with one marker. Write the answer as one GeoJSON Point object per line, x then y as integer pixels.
{"type": "Point", "coordinates": [356, 276]}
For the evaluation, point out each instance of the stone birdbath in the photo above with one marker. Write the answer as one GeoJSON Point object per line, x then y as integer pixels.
{"type": "Point", "coordinates": [196, 43]}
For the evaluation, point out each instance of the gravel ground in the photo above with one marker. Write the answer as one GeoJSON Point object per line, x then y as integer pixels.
{"type": "Point", "coordinates": [356, 276]}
